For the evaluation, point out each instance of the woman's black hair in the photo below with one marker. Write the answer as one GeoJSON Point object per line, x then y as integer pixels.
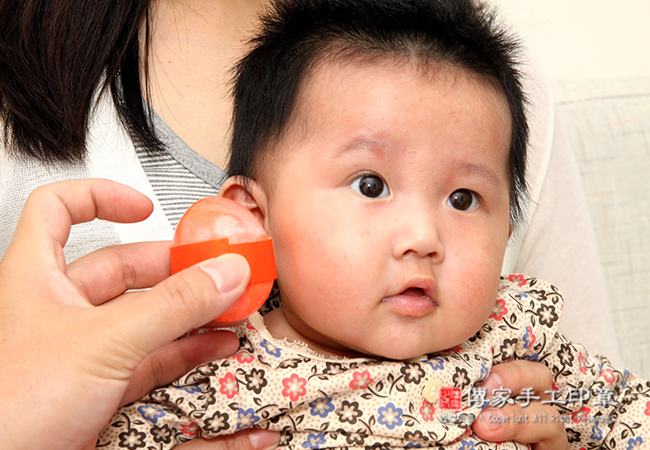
{"type": "Point", "coordinates": [55, 57]}
{"type": "Point", "coordinates": [296, 34]}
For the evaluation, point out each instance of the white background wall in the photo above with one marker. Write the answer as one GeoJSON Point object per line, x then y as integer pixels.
{"type": "Point", "coordinates": [585, 38]}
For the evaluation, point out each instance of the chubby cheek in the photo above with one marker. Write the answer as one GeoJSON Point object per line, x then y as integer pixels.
{"type": "Point", "coordinates": [475, 254]}
{"type": "Point", "coordinates": [322, 263]}
{"type": "Point", "coordinates": [479, 296]}
{"type": "Point", "coordinates": [473, 276]}
{"type": "Point", "coordinates": [301, 249]}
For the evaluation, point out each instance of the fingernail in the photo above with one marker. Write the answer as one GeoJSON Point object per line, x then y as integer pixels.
{"type": "Point", "coordinates": [227, 271]}
{"type": "Point", "coordinates": [263, 439]}
{"type": "Point", "coordinates": [492, 382]}
{"type": "Point", "coordinates": [492, 419]}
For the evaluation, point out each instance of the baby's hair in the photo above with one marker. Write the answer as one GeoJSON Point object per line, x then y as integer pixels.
{"type": "Point", "coordinates": [296, 35]}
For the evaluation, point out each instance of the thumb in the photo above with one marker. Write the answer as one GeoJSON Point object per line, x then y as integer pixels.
{"type": "Point", "coordinates": [183, 301]}
{"type": "Point", "coordinates": [250, 439]}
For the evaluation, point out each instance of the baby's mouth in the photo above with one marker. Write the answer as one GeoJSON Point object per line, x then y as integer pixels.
{"type": "Point", "coordinates": [415, 292]}
{"type": "Point", "coordinates": [413, 302]}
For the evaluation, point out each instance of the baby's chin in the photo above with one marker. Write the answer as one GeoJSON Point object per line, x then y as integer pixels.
{"type": "Point", "coordinates": [401, 353]}
{"type": "Point", "coordinates": [404, 356]}
{"type": "Point", "coordinates": [352, 352]}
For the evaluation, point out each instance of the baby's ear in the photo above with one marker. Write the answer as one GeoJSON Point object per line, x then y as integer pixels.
{"type": "Point", "coordinates": [248, 193]}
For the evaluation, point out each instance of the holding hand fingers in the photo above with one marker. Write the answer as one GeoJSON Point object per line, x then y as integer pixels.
{"type": "Point", "coordinates": [532, 424]}
{"type": "Point", "coordinates": [74, 361]}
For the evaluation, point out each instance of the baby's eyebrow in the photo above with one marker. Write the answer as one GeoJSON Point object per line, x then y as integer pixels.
{"type": "Point", "coordinates": [364, 144]}
{"type": "Point", "coordinates": [481, 169]}
{"type": "Point", "coordinates": [379, 147]}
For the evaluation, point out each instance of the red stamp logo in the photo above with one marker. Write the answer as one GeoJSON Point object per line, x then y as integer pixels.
{"type": "Point", "coordinates": [450, 398]}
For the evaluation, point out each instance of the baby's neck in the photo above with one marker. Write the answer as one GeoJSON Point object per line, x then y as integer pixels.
{"type": "Point", "coordinates": [280, 328]}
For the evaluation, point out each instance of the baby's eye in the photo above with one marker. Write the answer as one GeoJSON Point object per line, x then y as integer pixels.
{"type": "Point", "coordinates": [463, 200]}
{"type": "Point", "coordinates": [371, 186]}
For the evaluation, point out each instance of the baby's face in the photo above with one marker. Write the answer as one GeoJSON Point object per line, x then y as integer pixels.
{"type": "Point", "coordinates": [388, 204]}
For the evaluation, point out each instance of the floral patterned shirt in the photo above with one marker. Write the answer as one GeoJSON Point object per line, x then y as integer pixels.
{"type": "Point", "coordinates": [319, 402]}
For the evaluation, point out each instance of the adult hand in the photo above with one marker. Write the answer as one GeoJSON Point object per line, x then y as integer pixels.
{"type": "Point", "coordinates": [514, 422]}
{"type": "Point", "coordinates": [73, 344]}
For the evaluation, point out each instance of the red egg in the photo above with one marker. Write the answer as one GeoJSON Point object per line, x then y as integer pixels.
{"type": "Point", "coordinates": [214, 226]}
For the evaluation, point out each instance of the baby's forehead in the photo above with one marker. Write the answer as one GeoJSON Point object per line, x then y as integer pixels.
{"type": "Point", "coordinates": [331, 74]}
{"type": "Point", "coordinates": [442, 74]}
{"type": "Point", "coordinates": [355, 86]}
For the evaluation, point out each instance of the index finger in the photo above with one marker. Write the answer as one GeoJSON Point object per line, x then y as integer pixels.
{"type": "Point", "coordinates": [110, 271]}
{"type": "Point", "coordinates": [51, 210]}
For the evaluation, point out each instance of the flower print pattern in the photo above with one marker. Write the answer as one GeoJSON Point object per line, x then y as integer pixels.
{"type": "Point", "coordinates": [354, 439]}
{"type": "Point", "coordinates": [427, 411]}
{"type": "Point", "coordinates": [315, 441]}
{"type": "Point", "coordinates": [500, 310]}
{"type": "Point", "coordinates": [294, 387]}
{"type": "Point", "coordinates": [529, 337]}
{"type": "Point", "coordinates": [467, 445]}
{"type": "Point", "coordinates": [565, 355]}
{"type": "Point", "coordinates": [255, 380]}
{"type": "Point", "coordinates": [608, 375]}
{"type": "Point", "coordinates": [229, 386]}
{"type": "Point", "coordinates": [378, 446]}
{"type": "Point", "coordinates": [415, 436]}
{"type": "Point", "coordinates": [349, 412]}
{"type": "Point", "coordinates": [412, 372]}
{"type": "Point", "coordinates": [533, 357]}
{"type": "Point", "coordinates": [318, 402]}
{"type": "Point", "coordinates": [190, 429]}
{"type": "Point", "coordinates": [162, 435]}
{"type": "Point", "coordinates": [581, 415]}
{"type": "Point", "coordinates": [333, 368]}
{"type": "Point", "coordinates": [217, 423]}
{"type": "Point", "coordinates": [625, 378]}
{"type": "Point", "coordinates": [321, 407]}
{"type": "Point", "coordinates": [291, 363]}
{"type": "Point", "coordinates": [271, 349]}
{"type": "Point", "coordinates": [211, 395]}
{"type": "Point", "coordinates": [206, 370]}
{"type": "Point", "coordinates": [246, 418]}
{"type": "Point", "coordinates": [596, 433]}
{"type": "Point", "coordinates": [390, 416]}
{"type": "Point", "coordinates": [132, 439]}
{"type": "Point", "coordinates": [635, 443]}
{"type": "Point", "coordinates": [518, 279]}
{"type": "Point", "coordinates": [244, 357]}
{"type": "Point", "coordinates": [485, 371]}
{"type": "Point", "coordinates": [151, 413]}
{"type": "Point", "coordinates": [460, 378]}
{"type": "Point", "coordinates": [159, 396]}
{"type": "Point", "coordinates": [361, 380]}
{"type": "Point", "coordinates": [547, 315]}
{"type": "Point", "coordinates": [509, 348]}
{"type": "Point", "coordinates": [582, 363]}
{"type": "Point", "coordinates": [436, 363]}
{"type": "Point", "coordinates": [190, 389]}
{"type": "Point", "coordinates": [573, 436]}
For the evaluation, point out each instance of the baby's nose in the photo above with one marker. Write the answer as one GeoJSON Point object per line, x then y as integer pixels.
{"type": "Point", "coordinates": [418, 234]}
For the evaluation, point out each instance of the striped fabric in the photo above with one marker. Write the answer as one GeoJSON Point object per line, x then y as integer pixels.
{"type": "Point", "coordinates": [176, 187]}
{"type": "Point", "coordinates": [179, 176]}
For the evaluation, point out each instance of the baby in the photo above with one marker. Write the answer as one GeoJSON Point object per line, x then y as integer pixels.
{"type": "Point", "coordinates": [382, 144]}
